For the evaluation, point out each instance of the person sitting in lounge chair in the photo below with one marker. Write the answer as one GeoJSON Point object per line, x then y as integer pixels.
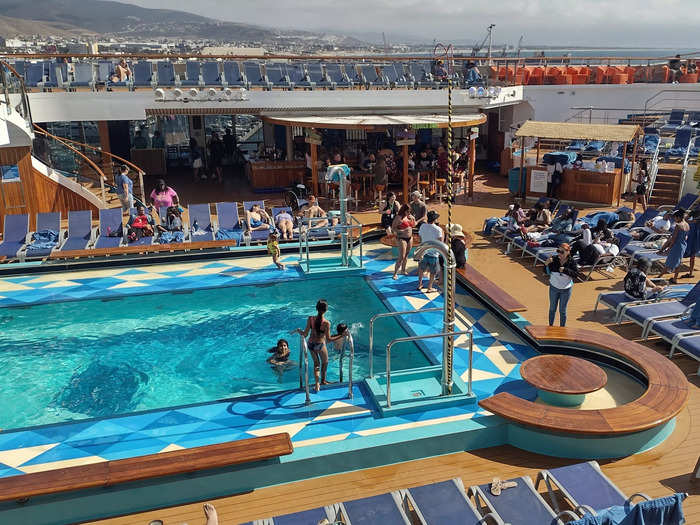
{"type": "Point", "coordinates": [140, 225]}
{"type": "Point", "coordinates": [285, 224]}
{"type": "Point", "coordinates": [257, 218]}
{"type": "Point", "coordinates": [660, 224]}
{"type": "Point", "coordinates": [638, 285]}
{"type": "Point", "coordinates": [312, 210]}
{"type": "Point", "coordinates": [171, 230]}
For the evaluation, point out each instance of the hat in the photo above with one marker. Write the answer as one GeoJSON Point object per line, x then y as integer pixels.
{"type": "Point", "coordinates": [511, 206]}
{"type": "Point", "coordinates": [432, 215]}
{"type": "Point", "coordinates": [456, 231]}
{"type": "Point", "coordinates": [416, 194]}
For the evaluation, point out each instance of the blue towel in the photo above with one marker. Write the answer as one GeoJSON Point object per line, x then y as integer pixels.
{"type": "Point", "coordinates": [489, 224]}
{"type": "Point", "coordinates": [593, 218]}
{"type": "Point", "coordinates": [170, 237]}
{"type": "Point", "coordinates": [45, 236]}
{"type": "Point", "coordinates": [659, 511]}
{"type": "Point", "coordinates": [223, 235]}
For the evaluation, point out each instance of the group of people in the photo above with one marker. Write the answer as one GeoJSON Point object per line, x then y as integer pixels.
{"type": "Point", "coordinates": [219, 148]}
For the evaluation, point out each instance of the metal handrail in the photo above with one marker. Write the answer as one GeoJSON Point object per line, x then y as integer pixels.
{"type": "Point", "coordinates": [130, 164]}
{"type": "Point", "coordinates": [390, 314]}
{"type": "Point", "coordinates": [431, 336]}
{"type": "Point", "coordinates": [684, 172]}
{"type": "Point", "coordinates": [654, 169]}
{"type": "Point", "coordinates": [304, 236]}
{"type": "Point", "coordinates": [304, 360]}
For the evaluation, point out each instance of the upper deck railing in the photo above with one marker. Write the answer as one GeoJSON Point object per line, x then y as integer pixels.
{"type": "Point", "coordinates": [285, 71]}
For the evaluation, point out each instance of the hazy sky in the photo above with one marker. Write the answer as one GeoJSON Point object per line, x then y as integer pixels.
{"type": "Point", "coordinates": [645, 23]}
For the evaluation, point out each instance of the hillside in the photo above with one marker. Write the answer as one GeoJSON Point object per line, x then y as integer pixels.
{"type": "Point", "coordinates": [12, 27]}
{"type": "Point", "coordinates": [107, 17]}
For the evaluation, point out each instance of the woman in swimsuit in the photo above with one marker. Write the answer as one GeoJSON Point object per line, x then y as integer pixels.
{"type": "Point", "coordinates": [403, 226]}
{"type": "Point", "coordinates": [320, 330]}
{"type": "Point", "coordinates": [258, 219]}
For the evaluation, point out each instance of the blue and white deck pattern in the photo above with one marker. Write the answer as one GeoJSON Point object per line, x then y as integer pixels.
{"type": "Point", "coordinates": [330, 424]}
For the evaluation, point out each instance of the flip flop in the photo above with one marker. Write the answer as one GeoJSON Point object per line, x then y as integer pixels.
{"type": "Point", "coordinates": [687, 276]}
{"type": "Point", "coordinates": [496, 487]}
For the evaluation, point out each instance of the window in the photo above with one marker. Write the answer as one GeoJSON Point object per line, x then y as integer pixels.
{"type": "Point", "coordinates": [10, 173]}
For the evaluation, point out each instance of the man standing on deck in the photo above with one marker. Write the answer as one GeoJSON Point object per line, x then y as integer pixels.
{"type": "Point", "coordinates": [429, 231]}
{"type": "Point", "coordinates": [125, 188]}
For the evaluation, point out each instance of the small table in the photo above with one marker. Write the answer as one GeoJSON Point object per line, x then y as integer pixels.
{"type": "Point", "coordinates": [563, 380]}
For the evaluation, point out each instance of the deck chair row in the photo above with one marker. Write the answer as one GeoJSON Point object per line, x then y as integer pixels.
{"type": "Point", "coordinates": [583, 488]}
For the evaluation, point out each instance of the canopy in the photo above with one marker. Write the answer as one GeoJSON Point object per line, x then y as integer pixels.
{"type": "Point", "coordinates": [573, 131]}
{"type": "Point", "coordinates": [378, 122]}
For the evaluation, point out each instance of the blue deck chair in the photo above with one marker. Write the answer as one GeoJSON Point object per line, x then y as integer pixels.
{"type": "Point", "coordinates": [519, 505]}
{"type": "Point", "coordinates": [254, 76]}
{"type": "Point", "coordinates": [305, 517]}
{"type": "Point", "coordinates": [618, 300]}
{"type": "Point", "coordinates": [143, 241]}
{"type": "Point", "coordinates": [47, 235]}
{"type": "Point", "coordinates": [644, 314]}
{"type": "Point", "coordinates": [210, 74]}
{"type": "Point", "coordinates": [105, 68]}
{"type": "Point", "coordinates": [680, 143]}
{"type": "Point", "coordinates": [297, 75]}
{"type": "Point", "coordinates": [83, 74]}
{"type": "Point", "coordinates": [384, 509]}
{"type": "Point", "coordinates": [595, 145]}
{"type": "Point", "coordinates": [19, 66]}
{"type": "Point", "coordinates": [576, 145]}
{"type": "Point", "coordinates": [446, 502]}
{"type": "Point", "coordinates": [229, 222]}
{"type": "Point", "coordinates": [675, 120]}
{"type": "Point", "coordinates": [695, 148]}
{"type": "Point", "coordinates": [277, 75]}
{"type": "Point", "coordinates": [689, 344]}
{"type": "Point", "coordinates": [79, 230]}
{"type": "Point", "coordinates": [584, 485]}
{"type": "Point", "coordinates": [671, 329]}
{"type": "Point", "coordinates": [143, 73]}
{"type": "Point", "coordinates": [34, 74]}
{"type": "Point", "coordinates": [367, 74]}
{"type": "Point", "coordinates": [639, 221]}
{"type": "Point", "coordinates": [14, 234]}
{"type": "Point", "coordinates": [166, 73]}
{"type": "Point", "coordinates": [192, 74]}
{"type": "Point", "coordinates": [57, 74]}
{"type": "Point", "coordinates": [256, 235]}
{"type": "Point", "coordinates": [276, 210]}
{"type": "Point", "coordinates": [111, 228]}
{"type": "Point", "coordinates": [420, 75]}
{"type": "Point", "coordinates": [201, 228]}
{"type": "Point", "coordinates": [687, 202]}
{"type": "Point", "coordinates": [232, 74]}
{"type": "Point", "coordinates": [317, 77]}
{"type": "Point", "coordinates": [337, 77]}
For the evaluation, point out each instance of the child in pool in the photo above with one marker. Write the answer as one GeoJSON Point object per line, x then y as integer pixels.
{"type": "Point", "coordinates": [273, 248]}
{"type": "Point", "coordinates": [339, 337]}
{"type": "Point", "coordinates": [281, 353]}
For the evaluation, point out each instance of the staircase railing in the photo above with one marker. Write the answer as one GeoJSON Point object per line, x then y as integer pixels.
{"type": "Point", "coordinates": [86, 169]}
{"type": "Point", "coordinates": [13, 84]}
{"type": "Point", "coordinates": [140, 173]}
{"type": "Point", "coordinates": [684, 172]}
{"type": "Point", "coordinates": [654, 169]}
{"type": "Point", "coordinates": [304, 372]}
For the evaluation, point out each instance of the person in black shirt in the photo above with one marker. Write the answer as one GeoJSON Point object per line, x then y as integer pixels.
{"type": "Point", "coordinates": [216, 154]}
{"type": "Point", "coordinates": [562, 270]}
{"type": "Point", "coordinates": [601, 231]}
{"type": "Point", "coordinates": [391, 208]}
{"type": "Point", "coordinates": [458, 245]}
{"type": "Point", "coordinates": [674, 66]}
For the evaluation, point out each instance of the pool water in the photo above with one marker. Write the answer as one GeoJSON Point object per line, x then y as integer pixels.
{"type": "Point", "coordinates": [97, 358]}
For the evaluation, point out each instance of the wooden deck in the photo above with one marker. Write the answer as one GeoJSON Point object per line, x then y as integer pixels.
{"type": "Point", "coordinates": [658, 472]}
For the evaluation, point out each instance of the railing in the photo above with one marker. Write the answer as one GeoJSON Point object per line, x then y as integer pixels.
{"type": "Point", "coordinates": [82, 164]}
{"type": "Point", "coordinates": [648, 106]}
{"type": "Point", "coordinates": [101, 152]}
{"type": "Point", "coordinates": [684, 172]}
{"type": "Point", "coordinates": [421, 337]}
{"type": "Point", "coordinates": [348, 341]}
{"type": "Point", "coordinates": [654, 169]}
{"type": "Point", "coordinates": [304, 361]}
{"type": "Point", "coordinates": [13, 84]}
{"type": "Point", "coordinates": [390, 314]}
{"type": "Point", "coordinates": [305, 229]}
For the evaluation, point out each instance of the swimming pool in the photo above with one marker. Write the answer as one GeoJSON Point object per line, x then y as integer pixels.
{"type": "Point", "coordinates": [96, 358]}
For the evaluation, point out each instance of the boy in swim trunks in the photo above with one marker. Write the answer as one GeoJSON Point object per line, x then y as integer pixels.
{"type": "Point", "coordinates": [273, 248]}
{"type": "Point", "coordinates": [340, 337]}
{"type": "Point", "coordinates": [257, 218]}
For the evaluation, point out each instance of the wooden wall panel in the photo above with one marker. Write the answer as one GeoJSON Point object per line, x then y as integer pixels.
{"type": "Point", "coordinates": [34, 192]}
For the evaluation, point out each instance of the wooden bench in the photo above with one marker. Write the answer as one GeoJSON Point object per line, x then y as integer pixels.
{"type": "Point", "coordinates": [665, 396]}
{"type": "Point", "coordinates": [490, 290]}
{"type": "Point", "coordinates": [109, 473]}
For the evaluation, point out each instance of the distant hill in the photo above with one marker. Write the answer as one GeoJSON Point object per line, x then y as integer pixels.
{"type": "Point", "coordinates": [13, 27]}
{"type": "Point", "coordinates": [106, 17]}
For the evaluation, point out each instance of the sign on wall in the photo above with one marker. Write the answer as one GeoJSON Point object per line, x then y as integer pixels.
{"type": "Point", "coordinates": [538, 181]}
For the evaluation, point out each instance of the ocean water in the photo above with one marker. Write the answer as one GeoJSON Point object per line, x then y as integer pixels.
{"type": "Point", "coordinates": [97, 358]}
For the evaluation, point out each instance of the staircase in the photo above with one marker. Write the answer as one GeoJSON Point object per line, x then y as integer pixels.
{"type": "Point", "coordinates": [667, 186]}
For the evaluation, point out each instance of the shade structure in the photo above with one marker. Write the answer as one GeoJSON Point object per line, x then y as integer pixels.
{"type": "Point", "coordinates": [574, 131]}
{"type": "Point", "coordinates": [377, 122]}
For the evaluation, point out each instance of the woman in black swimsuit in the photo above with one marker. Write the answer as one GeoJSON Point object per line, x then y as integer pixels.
{"type": "Point", "coordinates": [320, 329]}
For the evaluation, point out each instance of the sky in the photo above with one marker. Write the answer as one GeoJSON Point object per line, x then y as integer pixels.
{"type": "Point", "coordinates": [632, 23]}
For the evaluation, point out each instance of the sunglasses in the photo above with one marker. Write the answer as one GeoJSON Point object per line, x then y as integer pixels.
{"type": "Point", "coordinates": [560, 251]}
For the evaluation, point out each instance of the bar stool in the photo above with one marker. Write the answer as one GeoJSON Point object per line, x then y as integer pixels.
{"type": "Point", "coordinates": [423, 185]}
{"type": "Point", "coordinates": [356, 192]}
{"type": "Point", "coordinates": [440, 186]}
{"type": "Point", "coordinates": [332, 188]}
{"type": "Point", "coordinates": [378, 189]}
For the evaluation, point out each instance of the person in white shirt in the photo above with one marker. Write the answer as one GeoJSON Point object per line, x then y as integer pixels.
{"type": "Point", "coordinates": [429, 231]}
{"type": "Point", "coordinates": [660, 224]}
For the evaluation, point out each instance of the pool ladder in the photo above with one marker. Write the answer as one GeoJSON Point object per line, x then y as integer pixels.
{"type": "Point", "coordinates": [304, 364]}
